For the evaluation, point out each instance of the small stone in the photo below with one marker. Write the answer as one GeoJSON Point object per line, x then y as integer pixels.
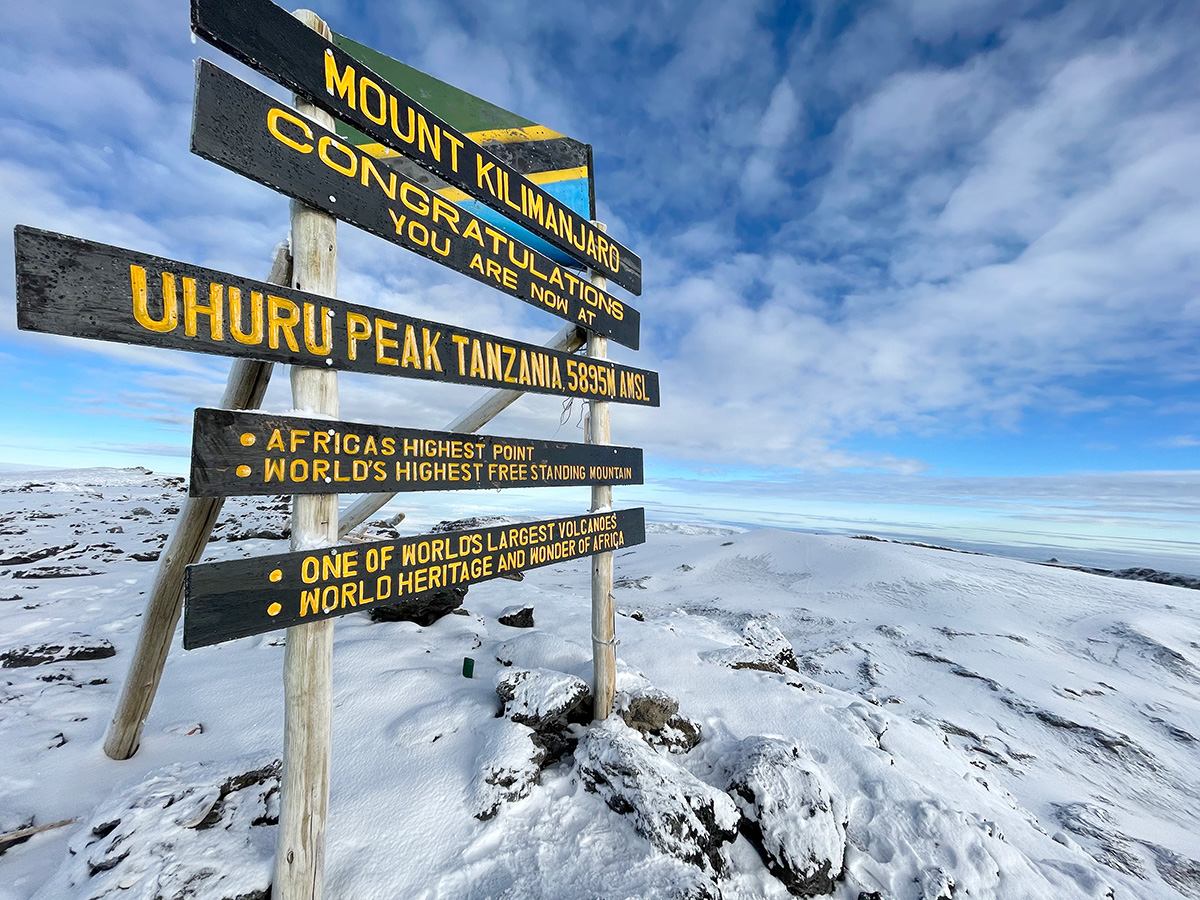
{"type": "Point", "coordinates": [517, 616]}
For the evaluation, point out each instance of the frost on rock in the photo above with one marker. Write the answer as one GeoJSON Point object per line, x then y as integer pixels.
{"type": "Point", "coordinates": [188, 831]}
{"type": "Point", "coordinates": [673, 809]}
{"type": "Point", "coordinates": [792, 816]}
{"type": "Point", "coordinates": [763, 647]}
{"type": "Point", "coordinates": [510, 764]}
{"type": "Point", "coordinates": [78, 647]}
{"type": "Point", "coordinates": [762, 635]}
{"type": "Point", "coordinates": [654, 714]}
{"type": "Point", "coordinates": [540, 698]}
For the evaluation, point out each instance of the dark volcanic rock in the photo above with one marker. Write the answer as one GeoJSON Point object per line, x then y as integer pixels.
{"type": "Point", "coordinates": [673, 809]}
{"type": "Point", "coordinates": [465, 524]}
{"type": "Point", "coordinates": [790, 814]}
{"type": "Point", "coordinates": [541, 698]}
{"type": "Point", "coordinates": [424, 609]}
{"type": "Point", "coordinates": [185, 830]}
{"type": "Point", "coordinates": [32, 556]}
{"type": "Point", "coordinates": [56, 572]}
{"type": "Point", "coordinates": [83, 647]}
{"type": "Point", "coordinates": [517, 616]}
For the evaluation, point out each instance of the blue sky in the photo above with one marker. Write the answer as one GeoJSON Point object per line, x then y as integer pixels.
{"type": "Point", "coordinates": [930, 266]}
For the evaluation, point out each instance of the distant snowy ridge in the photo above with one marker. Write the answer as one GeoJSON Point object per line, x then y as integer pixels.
{"type": "Point", "coordinates": [883, 721]}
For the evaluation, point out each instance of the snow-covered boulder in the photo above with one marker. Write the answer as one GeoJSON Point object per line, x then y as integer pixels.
{"type": "Point", "coordinates": [510, 763]}
{"type": "Point", "coordinates": [204, 831]}
{"type": "Point", "coordinates": [672, 808]}
{"type": "Point", "coordinates": [763, 648]}
{"type": "Point", "coordinates": [762, 635]}
{"type": "Point", "coordinates": [78, 647]}
{"type": "Point", "coordinates": [540, 698]}
{"type": "Point", "coordinates": [792, 816]}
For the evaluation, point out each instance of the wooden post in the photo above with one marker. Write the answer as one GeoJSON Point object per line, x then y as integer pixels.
{"type": "Point", "coordinates": [604, 649]}
{"type": "Point", "coordinates": [569, 338]}
{"type": "Point", "coordinates": [308, 657]}
{"type": "Point", "coordinates": [248, 379]}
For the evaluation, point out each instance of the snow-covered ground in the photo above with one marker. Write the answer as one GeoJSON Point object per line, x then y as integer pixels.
{"type": "Point", "coordinates": [956, 725]}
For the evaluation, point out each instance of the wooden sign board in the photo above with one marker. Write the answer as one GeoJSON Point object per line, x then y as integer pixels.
{"type": "Point", "coordinates": [241, 597]}
{"type": "Point", "coordinates": [558, 164]}
{"type": "Point", "coordinates": [245, 130]}
{"type": "Point", "coordinates": [243, 453]}
{"type": "Point", "coordinates": [70, 286]}
{"type": "Point", "coordinates": [265, 37]}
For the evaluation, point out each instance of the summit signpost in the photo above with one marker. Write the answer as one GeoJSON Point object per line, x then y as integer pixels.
{"type": "Point", "coordinates": [264, 37]}
{"type": "Point", "coordinates": [72, 286]}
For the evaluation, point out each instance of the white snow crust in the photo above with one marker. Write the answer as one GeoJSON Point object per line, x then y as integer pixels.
{"type": "Point", "coordinates": [995, 729]}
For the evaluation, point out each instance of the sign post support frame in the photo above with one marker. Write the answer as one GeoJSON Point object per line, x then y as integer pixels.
{"type": "Point", "coordinates": [308, 657]}
{"type": "Point", "coordinates": [604, 642]}
{"type": "Point", "coordinates": [248, 379]}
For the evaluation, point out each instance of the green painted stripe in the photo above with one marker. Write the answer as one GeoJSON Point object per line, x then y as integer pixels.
{"type": "Point", "coordinates": [464, 111]}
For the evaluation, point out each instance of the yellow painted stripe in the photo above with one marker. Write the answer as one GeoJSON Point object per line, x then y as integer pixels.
{"type": "Point", "coordinates": [514, 135]}
{"type": "Point", "coordinates": [454, 194]}
{"type": "Point", "coordinates": [499, 135]}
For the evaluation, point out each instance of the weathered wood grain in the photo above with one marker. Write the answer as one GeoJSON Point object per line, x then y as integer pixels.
{"type": "Point", "coordinates": [67, 285]}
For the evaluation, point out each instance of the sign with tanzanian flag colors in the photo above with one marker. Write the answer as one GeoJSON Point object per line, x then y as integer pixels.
{"type": "Point", "coordinates": [237, 453]}
{"type": "Point", "coordinates": [560, 165]}
{"type": "Point", "coordinates": [267, 38]}
{"type": "Point", "coordinates": [241, 597]}
{"type": "Point", "coordinates": [66, 285]}
{"type": "Point", "coordinates": [251, 133]}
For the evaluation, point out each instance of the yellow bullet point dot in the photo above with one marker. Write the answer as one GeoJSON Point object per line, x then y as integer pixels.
{"type": "Point", "coordinates": [247, 439]}
{"type": "Point", "coordinates": [274, 609]}
{"type": "Point", "coordinates": [243, 471]}
{"type": "Point", "coordinates": [276, 575]}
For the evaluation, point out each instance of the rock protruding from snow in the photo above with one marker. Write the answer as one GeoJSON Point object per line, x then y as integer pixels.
{"type": "Point", "coordinates": [541, 698]}
{"type": "Point", "coordinates": [763, 648]}
{"type": "Point", "coordinates": [655, 715]}
{"type": "Point", "coordinates": [520, 616]}
{"type": "Point", "coordinates": [790, 814]}
{"type": "Point", "coordinates": [510, 764]}
{"type": "Point", "coordinates": [80, 647]}
{"type": "Point", "coordinates": [673, 809]}
{"type": "Point", "coordinates": [762, 635]}
{"type": "Point", "coordinates": [194, 830]}
{"type": "Point", "coordinates": [424, 609]}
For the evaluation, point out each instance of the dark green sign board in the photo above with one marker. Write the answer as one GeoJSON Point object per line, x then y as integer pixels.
{"type": "Point", "coordinates": [252, 134]}
{"type": "Point", "coordinates": [241, 597]}
{"type": "Point", "coordinates": [265, 37]}
{"type": "Point", "coordinates": [70, 286]}
{"type": "Point", "coordinates": [238, 453]}
{"type": "Point", "coordinates": [560, 165]}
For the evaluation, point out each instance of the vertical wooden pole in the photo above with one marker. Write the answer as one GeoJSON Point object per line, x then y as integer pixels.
{"type": "Point", "coordinates": [604, 650]}
{"type": "Point", "coordinates": [248, 379]}
{"type": "Point", "coordinates": [308, 658]}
